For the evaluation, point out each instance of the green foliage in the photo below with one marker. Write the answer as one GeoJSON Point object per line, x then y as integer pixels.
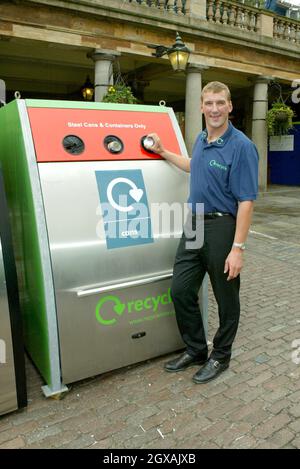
{"type": "Point", "coordinates": [119, 94]}
{"type": "Point", "coordinates": [279, 119]}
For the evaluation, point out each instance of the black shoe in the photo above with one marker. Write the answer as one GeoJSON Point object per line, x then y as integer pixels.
{"type": "Point", "coordinates": [182, 362]}
{"type": "Point", "coordinates": [210, 371]}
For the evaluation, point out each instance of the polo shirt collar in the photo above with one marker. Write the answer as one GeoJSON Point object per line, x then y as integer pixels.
{"type": "Point", "coordinates": [220, 142]}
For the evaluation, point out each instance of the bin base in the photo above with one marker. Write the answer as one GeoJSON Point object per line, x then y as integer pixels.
{"type": "Point", "coordinates": [58, 394]}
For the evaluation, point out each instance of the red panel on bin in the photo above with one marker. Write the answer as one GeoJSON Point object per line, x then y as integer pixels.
{"type": "Point", "coordinates": [50, 125]}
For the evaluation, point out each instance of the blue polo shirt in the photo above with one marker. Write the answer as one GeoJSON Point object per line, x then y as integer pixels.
{"type": "Point", "coordinates": [223, 172]}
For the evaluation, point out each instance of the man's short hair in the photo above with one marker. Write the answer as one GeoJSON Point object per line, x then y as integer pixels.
{"type": "Point", "coordinates": [216, 87]}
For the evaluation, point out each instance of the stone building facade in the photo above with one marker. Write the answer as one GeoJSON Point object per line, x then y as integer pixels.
{"type": "Point", "coordinates": [48, 47]}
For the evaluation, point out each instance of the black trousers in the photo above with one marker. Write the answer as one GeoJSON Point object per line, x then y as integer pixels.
{"type": "Point", "coordinates": [189, 270]}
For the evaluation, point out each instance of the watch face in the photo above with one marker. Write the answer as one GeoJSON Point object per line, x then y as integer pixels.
{"type": "Point", "coordinates": [239, 245]}
{"type": "Point", "coordinates": [73, 144]}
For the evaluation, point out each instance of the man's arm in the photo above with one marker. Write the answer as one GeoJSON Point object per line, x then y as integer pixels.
{"type": "Point", "coordinates": [178, 160]}
{"type": "Point", "coordinates": [234, 261]}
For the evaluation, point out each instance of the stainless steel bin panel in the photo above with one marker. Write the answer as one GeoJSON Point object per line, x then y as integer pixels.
{"type": "Point", "coordinates": [8, 393]}
{"type": "Point", "coordinates": [81, 263]}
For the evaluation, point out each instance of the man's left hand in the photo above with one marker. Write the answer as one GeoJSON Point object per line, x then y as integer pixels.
{"type": "Point", "coordinates": [234, 263]}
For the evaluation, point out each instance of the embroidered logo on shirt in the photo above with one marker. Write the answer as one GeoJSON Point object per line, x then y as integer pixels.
{"type": "Point", "coordinates": [214, 164]}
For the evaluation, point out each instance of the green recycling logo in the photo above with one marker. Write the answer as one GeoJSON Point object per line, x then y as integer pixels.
{"type": "Point", "coordinates": [118, 307]}
{"type": "Point", "coordinates": [153, 306]}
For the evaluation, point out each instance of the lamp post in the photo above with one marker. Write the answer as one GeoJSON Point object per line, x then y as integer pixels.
{"type": "Point", "coordinates": [178, 54]}
{"type": "Point", "coordinates": [87, 90]}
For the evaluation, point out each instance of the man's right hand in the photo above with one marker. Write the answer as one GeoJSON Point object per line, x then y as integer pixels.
{"type": "Point", "coordinates": [158, 146]}
{"type": "Point", "coordinates": [178, 160]}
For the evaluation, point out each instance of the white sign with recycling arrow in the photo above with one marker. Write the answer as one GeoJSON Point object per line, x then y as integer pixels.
{"type": "Point", "coordinates": [134, 192]}
{"type": "Point", "coordinates": [125, 210]}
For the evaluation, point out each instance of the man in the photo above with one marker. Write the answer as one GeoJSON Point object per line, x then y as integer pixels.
{"type": "Point", "coordinates": [224, 177]}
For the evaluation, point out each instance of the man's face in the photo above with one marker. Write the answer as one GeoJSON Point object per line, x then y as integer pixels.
{"type": "Point", "coordinates": [216, 108]}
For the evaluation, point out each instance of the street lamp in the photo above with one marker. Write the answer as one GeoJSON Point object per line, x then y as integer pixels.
{"type": "Point", "coordinates": [87, 90]}
{"type": "Point", "coordinates": [178, 54]}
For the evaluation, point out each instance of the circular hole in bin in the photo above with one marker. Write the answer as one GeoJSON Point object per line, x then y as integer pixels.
{"type": "Point", "coordinates": [73, 144]}
{"type": "Point", "coordinates": [147, 143]}
{"type": "Point", "coordinates": [113, 144]}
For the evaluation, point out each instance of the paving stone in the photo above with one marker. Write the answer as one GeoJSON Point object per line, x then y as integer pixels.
{"type": "Point", "coordinates": [197, 443]}
{"type": "Point", "coordinates": [83, 441]}
{"type": "Point", "coordinates": [262, 358]}
{"type": "Point", "coordinates": [42, 433]}
{"type": "Point", "coordinates": [296, 442]}
{"type": "Point", "coordinates": [295, 410]}
{"type": "Point", "coordinates": [261, 378]}
{"type": "Point", "coordinates": [295, 426]}
{"type": "Point", "coordinates": [283, 437]}
{"type": "Point", "coordinates": [214, 430]}
{"type": "Point", "coordinates": [103, 444]}
{"type": "Point", "coordinates": [253, 394]}
{"type": "Point", "coordinates": [277, 406]}
{"type": "Point", "coordinates": [235, 432]}
{"type": "Point", "coordinates": [272, 425]}
{"type": "Point", "coordinates": [16, 443]}
{"type": "Point", "coordinates": [245, 413]}
{"type": "Point", "coordinates": [266, 445]}
{"type": "Point", "coordinates": [53, 441]}
{"type": "Point", "coordinates": [5, 425]}
{"type": "Point", "coordinates": [243, 442]}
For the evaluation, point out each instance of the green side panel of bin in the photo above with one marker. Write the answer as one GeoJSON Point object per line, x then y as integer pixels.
{"type": "Point", "coordinates": [25, 234]}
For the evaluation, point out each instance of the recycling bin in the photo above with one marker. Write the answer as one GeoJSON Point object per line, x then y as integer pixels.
{"type": "Point", "coordinates": [12, 367]}
{"type": "Point", "coordinates": [97, 217]}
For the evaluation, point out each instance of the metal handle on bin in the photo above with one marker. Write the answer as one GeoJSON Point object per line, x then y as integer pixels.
{"type": "Point", "coordinates": [130, 283]}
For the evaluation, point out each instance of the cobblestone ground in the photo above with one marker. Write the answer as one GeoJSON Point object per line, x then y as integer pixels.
{"type": "Point", "coordinates": [255, 404]}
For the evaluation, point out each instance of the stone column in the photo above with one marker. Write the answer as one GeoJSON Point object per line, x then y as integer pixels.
{"type": "Point", "coordinates": [259, 127]}
{"type": "Point", "coordinates": [193, 115]}
{"type": "Point", "coordinates": [248, 112]}
{"type": "Point", "coordinates": [104, 60]}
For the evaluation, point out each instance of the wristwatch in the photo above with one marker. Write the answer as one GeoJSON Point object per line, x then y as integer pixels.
{"type": "Point", "coordinates": [241, 246]}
